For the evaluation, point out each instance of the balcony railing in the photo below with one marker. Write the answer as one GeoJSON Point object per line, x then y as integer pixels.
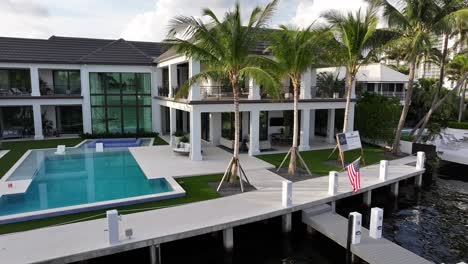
{"type": "Point", "coordinates": [60, 90]}
{"type": "Point", "coordinates": [163, 91]}
{"type": "Point", "coordinates": [14, 91]}
{"type": "Point", "coordinates": [317, 92]}
{"type": "Point", "coordinates": [398, 95]}
{"type": "Point", "coordinates": [221, 92]}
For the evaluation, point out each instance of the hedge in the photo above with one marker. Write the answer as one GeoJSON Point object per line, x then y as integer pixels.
{"type": "Point", "coordinates": [119, 135]}
{"type": "Point", "coordinates": [461, 125]}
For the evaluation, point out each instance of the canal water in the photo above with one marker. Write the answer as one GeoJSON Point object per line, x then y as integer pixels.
{"type": "Point", "coordinates": [432, 223]}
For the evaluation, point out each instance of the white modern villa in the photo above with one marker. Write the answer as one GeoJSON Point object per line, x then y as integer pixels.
{"type": "Point", "coordinates": [63, 85]}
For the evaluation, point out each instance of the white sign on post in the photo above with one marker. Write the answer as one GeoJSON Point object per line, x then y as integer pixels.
{"type": "Point", "coordinates": [349, 141]}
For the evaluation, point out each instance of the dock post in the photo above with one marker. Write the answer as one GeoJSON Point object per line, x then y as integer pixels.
{"type": "Point", "coordinates": [287, 223]}
{"type": "Point", "coordinates": [287, 194]}
{"type": "Point", "coordinates": [420, 165]}
{"type": "Point", "coordinates": [113, 226]}
{"type": "Point", "coordinates": [367, 197]}
{"type": "Point", "coordinates": [394, 188]}
{"type": "Point", "coordinates": [228, 239]}
{"type": "Point", "coordinates": [383, 173]}
{"type": "Point", "coordinates": [376, 219]}
{"type": "Point", "coordinates": [155, 254]}
{"type": "Point", "coordinates": [354, 235]}
{"type": "Point", "coordinates": [332, 182]}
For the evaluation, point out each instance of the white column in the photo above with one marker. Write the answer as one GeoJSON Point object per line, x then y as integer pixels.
{"type": "Point", "coordinates": [194, 69]}
{"type": "Point", "coordinates": [215, 128]}
{"type": "Point", "coordinates": [172, 124]}
{"type": "Point", "coordinates": [156, 117]}
{"type": "Point", "coordinates": [86, 106]}
{"type": "Point", "coordinates": [304, 133]}
{"type": "Point", "coordinates": [254, 140]}
{"type": "Point", "coordinates": [331, 126]}
{"type": "Point", "coordinates": [254, 90]}
{"type": "Point", "coordinates": [157, 80]}
{"type": "Point", "coordinates": [195, 135]}
{"type": "Point", "coordinates": [172, 78]}
{"type": "Point", "coordinates": [35, 91]}
{"type": "Point", "coordinates": [286, 194]}
{"type": "Point", "coordinates": [306, 81]}
{"type": "Point", "coordinates": [312, 125]}
{"type": "Point", "coordinates": [333, 183]}
{"type": "Point", "coordinates": [313, 82]}
{"type": "Point", "coordinates": [37, 121]}
{"type": "Point", "coordinates": [351, 117]}
{"type": "Point", "coordinates": [244, 125]}
{"type": "Point", "coordinates": [376, 220]}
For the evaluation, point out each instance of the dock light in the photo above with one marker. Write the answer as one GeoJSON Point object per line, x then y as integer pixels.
{"type": "Point", "coordinates": [383, 173]}
{"type": "Point", "coordinates": [333, 183]}
{"type": "Point", "coordinates": [356, 228]}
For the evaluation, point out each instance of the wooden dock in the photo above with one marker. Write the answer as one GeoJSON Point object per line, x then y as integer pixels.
{"type": "Point", "coordinates": [373, 251]}
{"type": "Point", "coordinates": [85, 240]}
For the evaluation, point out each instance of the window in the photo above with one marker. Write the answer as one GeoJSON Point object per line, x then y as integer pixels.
{"type": "Point", "coordinates": [227, 125]}
{"type": "Point", "coordinates": [15, 78]}
{"type": "Point", "coordinates": [66, 82]}
{"type": "Point", "coordinates": [263, 125]}
{"type": "Point", "coordinates": [121, 102]}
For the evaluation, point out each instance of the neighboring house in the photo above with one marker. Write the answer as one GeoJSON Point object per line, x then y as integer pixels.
{"type": "Point", "coordinates": [78, 85]}
{"type": "Point", "coordinates": [375, 78]}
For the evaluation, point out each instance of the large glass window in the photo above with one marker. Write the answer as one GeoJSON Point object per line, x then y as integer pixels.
{"type": "Point", "coordinates": [15, 81]}
{"type": "Point", "coordinates": [69, 119]}
{"type": "Point", "coordinates": [227, 124]}
{"type": "Point", "coordinates": [263, 125]}
{"type": "Point", "coordinates": [121, 102]}
{"type": "Point", "coordinates": [67, 82]}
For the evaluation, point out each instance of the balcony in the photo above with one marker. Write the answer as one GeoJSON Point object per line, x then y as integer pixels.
{"type": "Point", "coordinates": [399, 95]}
{"type": "Point", "coordinates": [15, 82]}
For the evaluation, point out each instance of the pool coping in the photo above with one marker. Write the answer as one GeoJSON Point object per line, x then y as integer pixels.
{"type": "Point", "coordinates": [177, 191]}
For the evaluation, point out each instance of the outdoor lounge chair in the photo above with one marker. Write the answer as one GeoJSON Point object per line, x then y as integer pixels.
{"type": "Point", "coordinates": [182, 148]}
{"type": "Point", "coordinates": [60, 150]}
{"type": "Point", "coordinates": [12, 133]}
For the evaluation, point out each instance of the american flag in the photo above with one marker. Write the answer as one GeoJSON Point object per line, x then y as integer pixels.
{"type": "Point", "coordinates": [354, 175]}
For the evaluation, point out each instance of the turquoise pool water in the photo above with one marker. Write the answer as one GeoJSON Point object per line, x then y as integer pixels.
{"type": "Point", "coordinates": [79, 177]}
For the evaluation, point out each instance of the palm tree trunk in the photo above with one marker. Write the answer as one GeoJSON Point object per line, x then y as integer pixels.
{"type": "Point", "coordinates": [404, 113]}
{"type": "Point", "coordinates": [439, 88]}
{"type": "Point", "coordinates": [235, 162]}
{"type": "Point", "coordinates": [293, 152]}
{"type": "Point", "coordinates": [349, 81]}
{"type": "Point", "coordinates": [461, 109]}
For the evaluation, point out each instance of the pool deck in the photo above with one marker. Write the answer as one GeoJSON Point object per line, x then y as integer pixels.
{"type": "Point", "coordinates": [85, 240]}
{"type": "Point", "coordinates": [162, 162]}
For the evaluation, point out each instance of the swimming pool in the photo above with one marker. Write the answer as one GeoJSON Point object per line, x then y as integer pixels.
{"type": "Point", "coordinates": [80, 180]}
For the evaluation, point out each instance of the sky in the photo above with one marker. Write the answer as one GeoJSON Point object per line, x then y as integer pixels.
{"type": "Point", "coordinates": [143, 20]}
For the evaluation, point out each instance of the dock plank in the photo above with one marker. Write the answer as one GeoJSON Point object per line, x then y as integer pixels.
{"type": "Point", "coordinates": [371, 250]}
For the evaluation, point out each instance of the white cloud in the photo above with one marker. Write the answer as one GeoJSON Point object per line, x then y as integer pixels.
{"type": "Point", "coordinates": [23, 18]}
{"type": "Point", "coordinates": [153, 25]}
{"type": "Point", "coordinates": [308, 11]}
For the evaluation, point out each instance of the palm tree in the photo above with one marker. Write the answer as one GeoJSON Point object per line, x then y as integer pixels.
{"type": "Point", "coordinates": [360, 40]}
{"type": "Point", "coordinates": [457, 68]}
{"type": "Point", "coordinates": [450, 17]}
{"type": "Point", "coordinates": [412, 20]}
{"type": "Point", "coordinates": [225, 46]}
{"type": "Point", "coordinates": [295, 51]}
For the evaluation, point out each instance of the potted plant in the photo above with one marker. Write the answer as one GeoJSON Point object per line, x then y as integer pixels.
{"type": "Point", "coordinates": [178, 134]}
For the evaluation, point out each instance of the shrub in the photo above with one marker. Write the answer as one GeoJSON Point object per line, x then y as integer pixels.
{"type": "Point", "coordinates": [178, 133]}
{"type": "Point", "coordinates": [461, 125]}
{"type": "Point", "coordinates": [184, 139]}
{"type": "Point", "coordinates": [377, 117]}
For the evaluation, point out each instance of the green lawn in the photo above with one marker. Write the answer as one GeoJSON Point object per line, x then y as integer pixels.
{"type": "Point", "coordinates": [196, 187]}
{"type": "Point", "coordinates": [18, 148]}
{"type": "Point", "coordinates": [316, 159]}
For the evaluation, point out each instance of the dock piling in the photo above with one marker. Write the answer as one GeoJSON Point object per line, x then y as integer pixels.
{"type": "Point", "coordinates": [383, 172]}
{"type": "Point", "coordinates": [420, 164]}
{"type": "Point", "coordinates": [287, 223]}
{"type": "Point", "coordinates": [228, 239]}
{"type": "Point", "coordinates": [155, 254]}
{"type": "Point", "coordinates": [375, 228]}
{"type": "Point", "coordinates": [113, 226]}
{"type": "Point", "coordinates": [333, 183]}
{"type": "Point", "coordinates": [287, 194]}
{"type": "Point", "coordinates": [394, 187]}
{"type": "Point", "coordinates": [367, 198]}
